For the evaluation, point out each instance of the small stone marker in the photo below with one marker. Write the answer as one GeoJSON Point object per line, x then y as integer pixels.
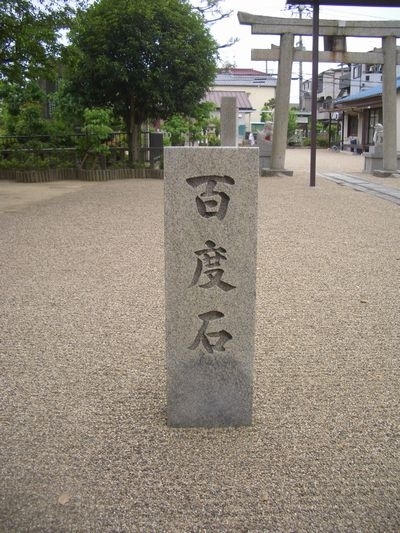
{"type": "Point", "coordinates": [228, 116]}
{"type": "Point", "coordinates": [210, 261]}
{"type": "Point", "coordinates": [265, 148]}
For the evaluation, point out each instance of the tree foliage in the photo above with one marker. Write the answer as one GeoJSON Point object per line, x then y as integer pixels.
{"type": "Point", "coordinates": [21, 108]}
{"type": "Point", "coordinates": [97, 127]}
{"type": "Point", "coordinates": [194, 128]}
{"type": "Point", "coordinates": [267, 111]}
{"type": "Point", "coordinates": [292, 122]}
{"type": "Point", "coordinates": [177, 127]}
{"type": "Point", "coordinates": [145, 59]}
{"type": "Point", "coordinates": [30, 36]}
{"type": "Point", "coordinates": [201, 121]}
{"type": "Point", "coordinates": [68, 109]}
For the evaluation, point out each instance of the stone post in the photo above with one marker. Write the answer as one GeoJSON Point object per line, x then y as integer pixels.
{"type": "Point", "coordinates": [210, 284]}
{"type": "Point", "coordinates": [228, 121]}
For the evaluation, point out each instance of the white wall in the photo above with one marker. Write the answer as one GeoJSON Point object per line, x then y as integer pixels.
{"type": "Point", "coordinates": [257, 96]}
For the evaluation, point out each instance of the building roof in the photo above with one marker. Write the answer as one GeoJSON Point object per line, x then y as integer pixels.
{"type": "Point", "coordinates": [246, 72]}
{"type": "Point", "coordinates": [245, 77]}
{"type": "Point", "coordinates": [242, 99]}
{"type": "Point", "coordinates": [364, 94]}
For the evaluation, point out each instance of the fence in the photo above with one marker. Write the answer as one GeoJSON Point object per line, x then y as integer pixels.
{"type": "Point", "coordinates": [41, 176]}
{"type": "Point", "coordinates": [60, 152]}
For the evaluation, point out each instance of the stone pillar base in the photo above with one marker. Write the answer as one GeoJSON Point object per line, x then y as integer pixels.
{"type": "Point", "coordinates": [275, 172]}
{"type": "Point", "coordinates": [382, 173]}
{"type": "Point", "coordinates": [374, 162]}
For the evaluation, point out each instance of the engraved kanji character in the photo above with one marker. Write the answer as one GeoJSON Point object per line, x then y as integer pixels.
{"type": "Point", "coordinates": [203, 337]}
{"type": "Point", "coordinates": [209, 263]}
{"type": "Point", "coordinates": [211, 202]}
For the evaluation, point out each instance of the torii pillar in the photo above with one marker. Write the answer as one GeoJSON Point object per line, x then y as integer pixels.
{"type": "Point", "coordinates": [389, 57]}
{"type": "Point", "coordinates": [282, 103]}
{"type": "Point", "coordinates": [389, 101]}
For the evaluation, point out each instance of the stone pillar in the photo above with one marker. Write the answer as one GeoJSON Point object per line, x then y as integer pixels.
{"type": "Point", "coordinates": [210, 284]}
{"type": "Point", "coordinates": [282, 102]}
{"type": "Point", "coordinates": [228, 121]}
{"type": "Point", "coordinates": [389, 98]}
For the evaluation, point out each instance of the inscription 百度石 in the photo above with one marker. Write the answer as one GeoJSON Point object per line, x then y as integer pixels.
{"type": "Point", "coordinates": [210, 273]}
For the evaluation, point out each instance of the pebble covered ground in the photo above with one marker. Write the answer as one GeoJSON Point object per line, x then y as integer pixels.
{"type": "Point", "coordinates": [84, 442]}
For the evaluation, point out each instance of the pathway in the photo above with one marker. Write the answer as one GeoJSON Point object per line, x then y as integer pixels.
{"type": "Point", "coordinates": [362, 184]}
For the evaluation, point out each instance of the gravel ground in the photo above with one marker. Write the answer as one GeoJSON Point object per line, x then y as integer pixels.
{"type": "Point", "coordinates": [84, 443]}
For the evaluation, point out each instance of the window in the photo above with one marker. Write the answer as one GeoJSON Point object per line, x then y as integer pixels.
{"type": "Point", "coordinates": [357, 71]}
{"type": "Point", "coordinates": [352, 126]}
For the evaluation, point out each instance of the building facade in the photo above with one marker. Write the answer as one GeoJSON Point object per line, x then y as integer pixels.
{"type": "Point", "coordinates": [361, 109]}
{"type": "Point", "coordinates": [361, 112]}
{"type": "Point", "coordinates": [259, 87]}
{"type": "Point", "coordinates": [351, 96]}
{"type": "Point", "coordinates": [332, 84]}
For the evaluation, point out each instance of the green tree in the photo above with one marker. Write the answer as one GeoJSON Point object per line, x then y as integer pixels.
{"type": "Point", "coordinates": [146, 59]}
{"type": "Point", "coordinates": [267, 111]}
{"type": "Point", "coordinates": [200, 121]}
{"type": "Point", "coordinates": [267, 114]}
{"type": "Point", "coordinates": [30, 120]}
{"type": "Point", "coordinates": [30, 37]}
{"type": "Point", "coordinates": [292, 122]}
{"type": "Point", "coordinates": [194, 127]}
{"type": "Point", "coordinates": [97, 126]}
{"type": "Point", "coordinates": [177, 126]}
{"type": "Point", "coordinates": [68, 110]}
{"type": "Point", "coordinates": [21, 107]}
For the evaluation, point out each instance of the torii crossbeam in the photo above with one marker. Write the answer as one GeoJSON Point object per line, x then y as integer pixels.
{"type": "Point", "coordinates": [285, 54]}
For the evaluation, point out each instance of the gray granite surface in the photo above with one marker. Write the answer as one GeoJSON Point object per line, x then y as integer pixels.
{"type": "Point", "coordinates": [228, 116]}
{"type": "Point", "coordinates": [210, 250]}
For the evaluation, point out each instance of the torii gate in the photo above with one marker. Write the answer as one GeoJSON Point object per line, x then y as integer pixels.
{"type": "Point", "coordinates": [338, 30]}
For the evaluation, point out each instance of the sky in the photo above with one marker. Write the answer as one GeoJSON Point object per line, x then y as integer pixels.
{"type": "Point", "coordinates": [240, 53]}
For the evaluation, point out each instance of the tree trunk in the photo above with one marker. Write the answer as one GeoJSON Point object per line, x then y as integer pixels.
{"type": "Point", "coordinates": [134, 127]}
{"type": "Point", "coordinates": [137, 142]}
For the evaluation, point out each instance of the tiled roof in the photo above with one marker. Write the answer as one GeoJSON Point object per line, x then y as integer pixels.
{"type": "Point", "coordinates": [242, 99]}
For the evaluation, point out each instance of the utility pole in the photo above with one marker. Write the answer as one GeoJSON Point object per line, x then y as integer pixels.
{"type": "Point", "coordinates": [300, 44]}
